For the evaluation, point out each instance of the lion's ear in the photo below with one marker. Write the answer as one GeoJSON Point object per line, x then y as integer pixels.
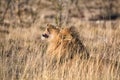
{"type": "Point", "coordinates": [67, 37]}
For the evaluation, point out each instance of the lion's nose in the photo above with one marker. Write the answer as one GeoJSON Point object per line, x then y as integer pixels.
{"type": "Point", "coordinates": [45, 35]}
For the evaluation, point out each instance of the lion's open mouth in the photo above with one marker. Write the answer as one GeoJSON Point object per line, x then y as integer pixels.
{"type": "Point", "coordinates": [45, 35]}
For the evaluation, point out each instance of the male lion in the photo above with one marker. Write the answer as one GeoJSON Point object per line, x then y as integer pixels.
{"type": "Point", "coordinates": [63, 44]}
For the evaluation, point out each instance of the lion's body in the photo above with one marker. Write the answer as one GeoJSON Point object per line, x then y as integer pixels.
{"type": "Point", "coordinates": [65, 45]}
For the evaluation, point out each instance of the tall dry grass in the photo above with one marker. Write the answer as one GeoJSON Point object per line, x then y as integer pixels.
{"type": "Point", "coordinates": [22, 55]}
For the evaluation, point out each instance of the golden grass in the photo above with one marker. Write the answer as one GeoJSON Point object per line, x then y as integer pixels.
{"type": "Point", "coordinates": [22, 55]}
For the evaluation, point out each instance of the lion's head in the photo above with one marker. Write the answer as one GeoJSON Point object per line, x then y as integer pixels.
{"type": "Point", "coordinates": [50, 33]}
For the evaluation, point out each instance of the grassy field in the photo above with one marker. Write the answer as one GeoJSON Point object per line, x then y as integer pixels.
{"type": "Point", "coordinates": [22, 54]}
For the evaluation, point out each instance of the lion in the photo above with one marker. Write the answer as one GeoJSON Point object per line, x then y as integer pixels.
{"type": "Point", "coordinates": [63, 44]}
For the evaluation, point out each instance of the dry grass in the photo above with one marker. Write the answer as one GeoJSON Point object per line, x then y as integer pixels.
{"type": "Point", "coordinates": [22, 54]}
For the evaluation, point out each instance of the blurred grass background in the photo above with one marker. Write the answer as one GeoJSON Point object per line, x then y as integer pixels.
{"type": "Point", "coordinates": [22, 52]}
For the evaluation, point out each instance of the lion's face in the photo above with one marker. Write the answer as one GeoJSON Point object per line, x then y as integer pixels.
{"type": "Point", "coordinates": [50, 33]}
